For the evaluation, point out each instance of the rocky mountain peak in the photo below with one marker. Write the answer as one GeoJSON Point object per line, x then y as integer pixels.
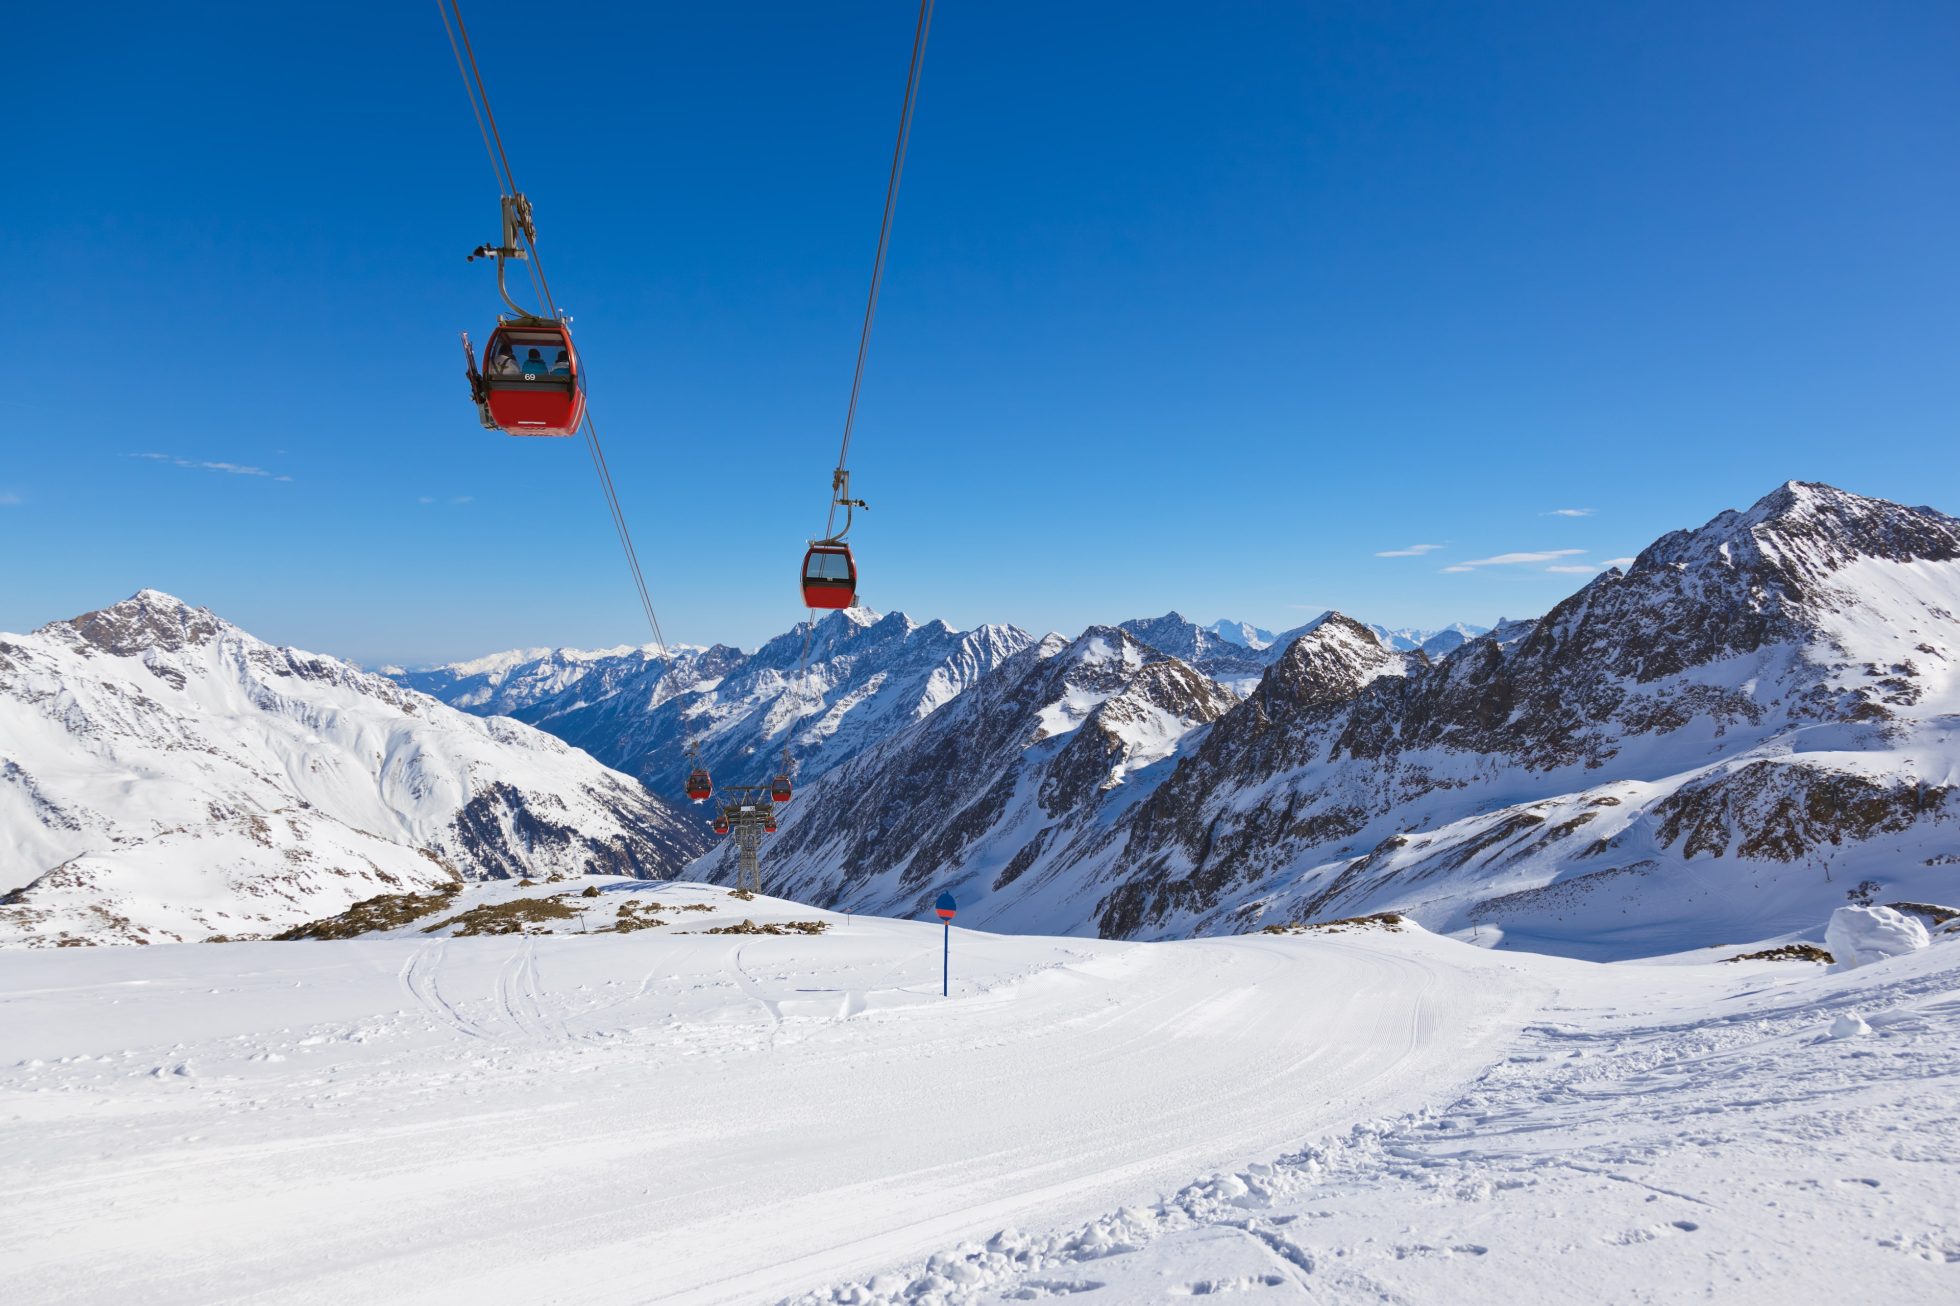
{"type": "Point", "coordinates": [1834, 526]}
{"type": "Point", "coordinates": [832, 631]}
{"type": "Point", "coordinates": [1171, 633]}
{"type": "Point", "coordinates": [1801, 532]}
{"type": "Point", "coordinates": [1062, 680]}
{"type": "Point", "coordinates": [1331, 663]}
{"type": "Point", "coordinates": [1099, 644]}
{"type": "Point", "coordinates": [1047, 646]}
{"type": "Point", "coordinates": [1233, 662]}
{"type": "Point", "coordinates": [147, 619]}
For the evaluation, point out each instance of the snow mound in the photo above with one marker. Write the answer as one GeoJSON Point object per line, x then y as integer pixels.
{"type": "Point", "coordinates": [1850, 1025]}
{"type": "Point", "coordinates": [1858, 936]}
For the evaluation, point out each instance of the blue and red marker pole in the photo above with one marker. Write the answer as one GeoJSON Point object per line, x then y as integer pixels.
{"type": "Point", "coordinates": [946, 907]}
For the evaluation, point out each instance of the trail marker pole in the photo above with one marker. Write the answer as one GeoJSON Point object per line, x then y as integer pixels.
{"type": "Point", "coordinates": [946, 907]}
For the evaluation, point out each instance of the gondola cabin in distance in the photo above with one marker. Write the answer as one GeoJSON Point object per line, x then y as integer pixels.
{"type": "Point", "coordinates": [532, 384]}
{"type": "Point", "coordinates": [829, 576]}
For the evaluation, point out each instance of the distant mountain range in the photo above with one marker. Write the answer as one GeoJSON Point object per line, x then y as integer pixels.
{"type": "Point", "coordinates": [864, 677]}
{"type": "Point", "coordinates": [990, 792]}
{"type": "Point", "coordinates": [1708, 747]}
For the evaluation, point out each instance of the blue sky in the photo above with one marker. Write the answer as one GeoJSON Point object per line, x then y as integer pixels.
{"type": "Point", "coordinates": [1195, 307]}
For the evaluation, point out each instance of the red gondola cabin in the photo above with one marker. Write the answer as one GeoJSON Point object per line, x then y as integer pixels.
{"type": "Point", "coordinates": [699, 786]}
{"type": "Point", "coordinates": [829, 576]}
{"type": "Point", "coordinates": [779, 790]}
{"type": "Point", "coordinates": [721, 825]}
{"type": "Point", "coordinates": [531, 379]}
{"type": "Point", "coordinates": [769, 824]}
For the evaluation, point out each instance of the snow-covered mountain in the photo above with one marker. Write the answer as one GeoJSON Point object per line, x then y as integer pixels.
{"type": "Point", "coordinates": [166, 776]}
{"type": "Point", "coordinates": [1406, 639]}
{"type": "Point", "coordinates": [1232, 663]}
{"type": "Point", "coordinates": [987, 793]}
{"type": "Point", "coordinates": [1242, 633]}
{"type": "Point", "coordinates": [1435, 643]}
{"type": "Point", "coordinates": [867, 677]}
{"type": "Point", "coordinates": [503, 684]}
{"type": "Point", "coordinates": [1701, 747]}
{"type": "Point", "coordinates": [1711, 745]}
{"type": "Point", "coordinates": [1237, 654]}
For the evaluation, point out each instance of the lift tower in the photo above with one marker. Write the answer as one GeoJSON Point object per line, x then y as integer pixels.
{"type": "Point", "coordinates": [750, 814]}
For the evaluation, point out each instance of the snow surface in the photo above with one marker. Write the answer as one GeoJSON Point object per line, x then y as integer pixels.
{"type": "Point", "coordinates": [1702, 1133]}
{"type": "Point", "coordinates": [674, 1115]}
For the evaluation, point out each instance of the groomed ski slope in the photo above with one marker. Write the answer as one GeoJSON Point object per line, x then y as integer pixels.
{"type": "Point", "coordinates": [1764, 1132]}
{"type": "Point", "coordinates": [679, 1116]}
{"type": "Point", "coordinates": [698, 1117]}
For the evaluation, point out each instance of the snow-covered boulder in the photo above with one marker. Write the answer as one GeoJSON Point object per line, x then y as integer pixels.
{"type": "Point", "coordinates": [1858, 936]}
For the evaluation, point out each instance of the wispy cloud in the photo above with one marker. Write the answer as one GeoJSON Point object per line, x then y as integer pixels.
{"type": "Point", "coordinates": [1571, 569]}
{"type": "Point", "coordinates": [1413, 551]}
{"type": "Point", "coordinates": [197, 464]}
{"type": "Point", "coordinates": [1516, 559]}
{"type": "Point", "coordinates": [456, 498]}
{"type": "Point", "coordinates": [1619, 562]}
{"type": "Point", "coordinates": [8, 499]}
{"type": "Point", "coordinates": [1568, 512]}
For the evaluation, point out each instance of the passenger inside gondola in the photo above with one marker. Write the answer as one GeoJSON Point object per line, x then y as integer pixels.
{"type": "Point", "coordinates": [501, 362]}
{"type": "Point", "coordinates": [562, 365]}
{"type": "Point", "coordinates": [534, 363]}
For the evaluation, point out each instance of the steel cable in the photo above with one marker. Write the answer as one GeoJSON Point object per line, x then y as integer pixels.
{"type": "Point", "coordinates": [493, 144]}
{"type": "Point", "coordinates": [919, 36]}
{"type": "Point", "coordinates": [884, 243]}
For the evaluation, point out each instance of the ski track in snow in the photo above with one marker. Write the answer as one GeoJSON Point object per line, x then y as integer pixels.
{"type": "Point", "coordinates": [418, 975]}
{"type": "Point", "coordinates": [677, 1117]}
{"type": "Point", "coordinates": [751, 990]}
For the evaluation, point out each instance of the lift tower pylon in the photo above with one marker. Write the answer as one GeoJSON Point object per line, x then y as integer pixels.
{"type": "Point", "coordinates": [750, 814]}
